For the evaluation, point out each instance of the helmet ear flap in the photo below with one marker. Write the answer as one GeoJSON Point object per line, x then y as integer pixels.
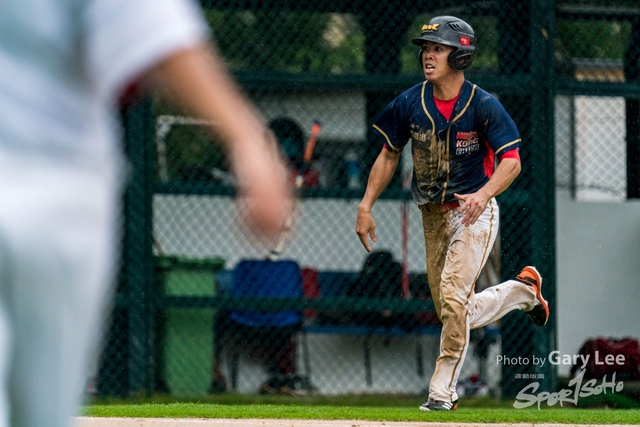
{"type": "Point", "coordinates": [461, 59]}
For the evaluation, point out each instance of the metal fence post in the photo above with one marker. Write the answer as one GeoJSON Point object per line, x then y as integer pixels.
{"type": "Point", "coordinates": [531, 242]}
{"type": "Point", "coordinates": [632, 72]}
{"type": "Point", "coordinates": [543, 73]}
{"type": "Point", "coordinates": [138, 273]}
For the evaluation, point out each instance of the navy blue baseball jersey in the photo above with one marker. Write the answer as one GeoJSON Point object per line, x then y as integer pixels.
{"type": "Point", "coordinates": [449, 156]}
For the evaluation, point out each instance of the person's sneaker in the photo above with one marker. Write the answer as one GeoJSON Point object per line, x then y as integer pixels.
{"type": "Point", "coordinates": [540, 312]}
{"type": "Point", "coordinates": [287, 391]}
{"type": "Point", "coordinates": [267, 389]}
{"type": "Point", "coordinates": [438, 405]}
{"type": "Point", "coordinates": [217, 387]}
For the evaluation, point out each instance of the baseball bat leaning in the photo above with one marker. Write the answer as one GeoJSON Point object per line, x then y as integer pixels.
{"type": "Point", "coordinates": [276, 251]}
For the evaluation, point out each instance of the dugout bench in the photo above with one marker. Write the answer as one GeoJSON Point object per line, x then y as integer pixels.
{"type": "Point", "coordinates": [327, 310]}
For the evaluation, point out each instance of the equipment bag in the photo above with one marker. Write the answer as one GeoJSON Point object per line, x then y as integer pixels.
{"type": "Point", "coordinates": [623, 359]}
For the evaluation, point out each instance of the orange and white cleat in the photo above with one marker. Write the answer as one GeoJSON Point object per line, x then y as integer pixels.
{"type": "Point", "coordinates": [540, 313]}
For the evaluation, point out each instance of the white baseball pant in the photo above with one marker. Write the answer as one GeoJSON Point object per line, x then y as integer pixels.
{"type": "Point", "coordinates": [455, 256]}
{"type": "Point", "coordinates": [57, 232]}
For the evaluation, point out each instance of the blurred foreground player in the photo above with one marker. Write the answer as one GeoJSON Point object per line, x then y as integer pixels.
{"type": "Point", "coordinates": [63, 66]}
{"type": "Point", "coordinates": [456, 129]}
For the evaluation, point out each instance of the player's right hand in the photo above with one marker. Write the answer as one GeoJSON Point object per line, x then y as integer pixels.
{"type": "Point", "coordinates": [365, 227]}
{"type": "Point", "coordinates": [263, 184]}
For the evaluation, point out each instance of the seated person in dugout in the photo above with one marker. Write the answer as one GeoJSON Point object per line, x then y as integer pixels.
{"type": "Point", "coordinates": [274, 346]}
{"type": "Point", "coordinates": [292, 142]}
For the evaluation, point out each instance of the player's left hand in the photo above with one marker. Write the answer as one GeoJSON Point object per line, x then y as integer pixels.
{"type": "Point", "coordinates": [472, 205]}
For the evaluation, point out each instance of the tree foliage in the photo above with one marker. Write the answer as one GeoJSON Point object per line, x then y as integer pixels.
{"type": "Point", "coordinates": [289, 41]}
{"type": "Point", "coordinates": [294, 42]}
{"type": "Point", "coordinates": [594, 39]}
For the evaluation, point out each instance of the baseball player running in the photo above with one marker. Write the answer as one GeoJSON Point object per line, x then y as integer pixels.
{"type": "Point", "coordinates": [63, 66]}
{"type": "Point", "coordinates": [456, 130]}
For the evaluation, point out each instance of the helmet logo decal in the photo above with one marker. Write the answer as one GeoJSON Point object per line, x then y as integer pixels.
{"type": "Point", "coordinates": [465, 41]}
{"type": "Point", "coordinates": [430, 27]}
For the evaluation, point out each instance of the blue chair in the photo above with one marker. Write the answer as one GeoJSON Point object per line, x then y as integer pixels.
{"type": "Point", "coordinates": [250, 329]}
{"type": "Point", "coordinates": [267, 279]}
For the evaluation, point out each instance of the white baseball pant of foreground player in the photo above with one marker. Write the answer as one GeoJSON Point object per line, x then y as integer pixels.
{"type": "Point", "coordinates": [63, 64]}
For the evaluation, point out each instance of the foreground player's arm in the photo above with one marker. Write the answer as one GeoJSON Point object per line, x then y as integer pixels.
{"type": "Point", "coordinates": [197, 79]}
{"type": "Point", "coordinates": [381, 173]}
{"type": "Point", "coordinates": [475, 203]}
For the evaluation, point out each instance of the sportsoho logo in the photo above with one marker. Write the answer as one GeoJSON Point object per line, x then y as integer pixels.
{"type": "Point", "coordinates": [529, 394]}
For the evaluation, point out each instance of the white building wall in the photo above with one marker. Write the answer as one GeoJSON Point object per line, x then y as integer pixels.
{"type": "Point", "coordinates": [323, 238]}
{"type": "Point", "coordinates": [598, 246]}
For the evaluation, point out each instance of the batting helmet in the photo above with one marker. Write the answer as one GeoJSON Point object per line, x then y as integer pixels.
{"type": "Point", "coordinates": [450, 31]}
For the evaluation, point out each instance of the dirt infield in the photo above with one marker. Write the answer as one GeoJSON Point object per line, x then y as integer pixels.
{"type": "Point", "coordinates": [200, 422]}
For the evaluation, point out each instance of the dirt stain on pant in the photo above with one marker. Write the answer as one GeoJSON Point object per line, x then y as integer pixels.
{"type": "Point", "coordinates": [455, 256]}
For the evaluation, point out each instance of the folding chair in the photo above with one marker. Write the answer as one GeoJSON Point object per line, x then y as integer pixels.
{"type": "Point", "coordinates": [247, 328]}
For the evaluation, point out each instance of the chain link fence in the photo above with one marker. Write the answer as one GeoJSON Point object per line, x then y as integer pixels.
{"type": "Point", "coordinates": [201, 309]}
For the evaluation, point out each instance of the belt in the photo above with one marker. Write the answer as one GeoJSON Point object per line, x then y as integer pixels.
{"type": "Point", "coordinates": [434, 207]}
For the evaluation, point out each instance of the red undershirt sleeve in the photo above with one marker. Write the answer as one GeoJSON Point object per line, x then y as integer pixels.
{"type": "Point", "coordinates": [511, 154]}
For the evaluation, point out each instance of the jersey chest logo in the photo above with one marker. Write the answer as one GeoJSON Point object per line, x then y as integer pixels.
{"type": "Point", "coordinates": [467, 142]}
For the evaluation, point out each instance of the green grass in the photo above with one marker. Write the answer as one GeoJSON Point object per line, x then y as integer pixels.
{"type": "Point", "coordinates": [372, 408]}
{"type": "Point", "coordinates": [293, 411]}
